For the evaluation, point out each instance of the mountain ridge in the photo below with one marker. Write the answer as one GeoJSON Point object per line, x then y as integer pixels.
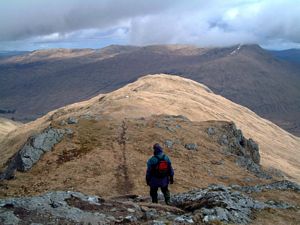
{"type": "Point", "coordinates": [155, 95]}
{"type": "Point", "coordinates": [250, 77]}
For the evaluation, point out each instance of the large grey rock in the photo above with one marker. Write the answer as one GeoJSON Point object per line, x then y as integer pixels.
{"type": "Point", "coordinates": [254, 151]}
{"type": "Point", "coordinates": [216, 204]}
{"type": "Point", "coordinates": [246, 151]}
{"type": "Point", "coordinates": [55, 204]}
{"type": "Point", "coordinates": [32, 151]}
{"type": "Point", "coordinates": [221, 203]}
{"type": "Point", "coordinates": [37, 146]}
{"type": "Point", "coordinates": [8, 218]}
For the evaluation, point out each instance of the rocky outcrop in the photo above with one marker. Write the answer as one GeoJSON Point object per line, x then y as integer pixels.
{"type": "Point", "coordinates": [245, 150]}
{"type": "Point", "coordinates": [32, 151]}
{"type": "Point", "coordinates": [216, 204]}
{"type": "Point", "coordinates": [225, 204]}
{"type": "Point", "coordinates": [237, 144]}
{"type": "Point", "coordinates": [283, 185]}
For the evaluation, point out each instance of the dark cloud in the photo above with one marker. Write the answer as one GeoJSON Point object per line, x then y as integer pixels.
{"type": "Point", "coordinates": [207, 23]}
{"type": "Point", "coordinates": [24, 19]}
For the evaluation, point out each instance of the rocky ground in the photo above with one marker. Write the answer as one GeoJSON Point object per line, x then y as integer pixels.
{"type": "Point", "coordinates": [224, 203]}
{"type": "Point", "coordinates": [216, 204]}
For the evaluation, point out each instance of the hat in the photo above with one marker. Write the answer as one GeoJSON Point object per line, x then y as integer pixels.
{"type": "Point", "coordinates": [157, 149]}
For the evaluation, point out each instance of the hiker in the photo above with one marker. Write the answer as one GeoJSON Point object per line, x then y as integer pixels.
{"type": "Point", "coordinates": [159, 174]}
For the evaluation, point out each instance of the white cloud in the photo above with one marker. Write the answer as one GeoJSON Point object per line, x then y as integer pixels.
{"type": "Point", "coordinates": [206, 23]}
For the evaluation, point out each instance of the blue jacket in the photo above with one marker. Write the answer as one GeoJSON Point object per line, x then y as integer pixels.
{"type": "Point", "coordinates": [151, 179]}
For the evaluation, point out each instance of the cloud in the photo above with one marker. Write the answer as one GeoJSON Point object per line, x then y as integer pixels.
{"type": "Point", "coordinates": [262, 22]}
{"type": "Point", "coordinates": [205, 23]}
{"type": "Point", "coordinates": [23, 19]}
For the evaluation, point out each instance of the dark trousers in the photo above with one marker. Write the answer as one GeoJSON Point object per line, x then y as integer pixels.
{"type": "Point", "coordinates": [164, 190]}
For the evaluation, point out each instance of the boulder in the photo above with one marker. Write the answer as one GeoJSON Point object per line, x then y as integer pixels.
{"type": "Point", "coordinates": [32, 151]}
{"type": "Point", "coordinates": [219, 203]}
{"type": "Point", "coordinates": [216, 204]}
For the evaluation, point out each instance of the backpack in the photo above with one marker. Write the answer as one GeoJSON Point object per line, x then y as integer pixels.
{"type": "Point", "coordinates": [161, 169]}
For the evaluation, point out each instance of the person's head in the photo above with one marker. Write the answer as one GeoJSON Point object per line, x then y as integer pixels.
{"type": "Point", "coordinates": [157, 149]}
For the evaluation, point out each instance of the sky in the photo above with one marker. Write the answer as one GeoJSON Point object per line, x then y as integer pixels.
{"type": "Point", "coordinates": [39, 24]}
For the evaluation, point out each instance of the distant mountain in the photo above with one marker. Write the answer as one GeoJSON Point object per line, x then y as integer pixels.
{"type": "Point", "coordinates": [35, 83]}
{"type": "Point", "coordinates": [12, 53]}
{"type": "Point", "coordinates": [290, 55]}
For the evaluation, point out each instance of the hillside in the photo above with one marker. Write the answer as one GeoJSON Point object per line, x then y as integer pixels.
{"type": "Point", "coordinates": [290, 55]}
{"type": "Point", "coordinates": [102, 121]}
{"type": "Point", "coordinates": [6, 126]}
{"type": "Point", "coordinates": [100, 147]}
{"type": "Point", "coordinates": [247, 75]}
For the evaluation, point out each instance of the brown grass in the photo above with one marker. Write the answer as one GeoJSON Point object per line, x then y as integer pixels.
{"type": "Point", "coordinates": [277, 217]}
{"type": "Point", "coordinates": [94, 160]}
{"type": "Point", "coordinates": [7, 126]}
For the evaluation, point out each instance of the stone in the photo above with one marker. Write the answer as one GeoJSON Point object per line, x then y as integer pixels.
{"type": "Point", "coordinates": [130, 219]}
{"type": "Point", "coordinates": [169, 143]}
{"type": "Point", "coordinates": [252, 167]}
{"type": "Point", "coordinates": [157, 222]}
{"type": "Point", "coordinates": [151, 214]}
{"type": "Point", "coordinates": [211, 131]}
{"type": "Point", "coordinates": [37, 146]}
{"type": "Point", "coordinates": [130, 210]}
{"type": "Point", "coordinates": [72, 120]}
{"type": "Point", "coordinates": [283, 185]}
{"type": "Point", "coordinates": [32, 151]}
{"type": "Point", "coordinates": [191, 146]}
{"type": "Point", "coordinates": [8, 218]}
{"type": "Point", "coordinates": [216, 204]}
{"type": "Point", "coordinates": [209, 218]}
{"type": "Point", "coordinates": [93, 199]}
{"type": "Point", "coordinates": [171, 129]}
{"type": "Point", "coordinates": [248, 179]}
{"type": "Point", "coordinates": [177, 126]}
{"type": "Point", "coordinates": [144, 208]}
{"type": "Point", "coordinates": [224, 140]}
{"type": "Point", "coordinates": [224, 177]}
{"type": "Point", "coordinates": [69, 131]}
{"type": "Point", "coordinates": [221, 203]}
{"type": "Point", "coordinates": [254, 151]}
{"type": "Point", "coordinates": [184, 219]}
{"type": "Point", "coordinates": [55, 205]}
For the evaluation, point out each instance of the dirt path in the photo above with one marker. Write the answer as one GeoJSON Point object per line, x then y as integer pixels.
{"type": "Point", "coordinates": [124, 182]}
